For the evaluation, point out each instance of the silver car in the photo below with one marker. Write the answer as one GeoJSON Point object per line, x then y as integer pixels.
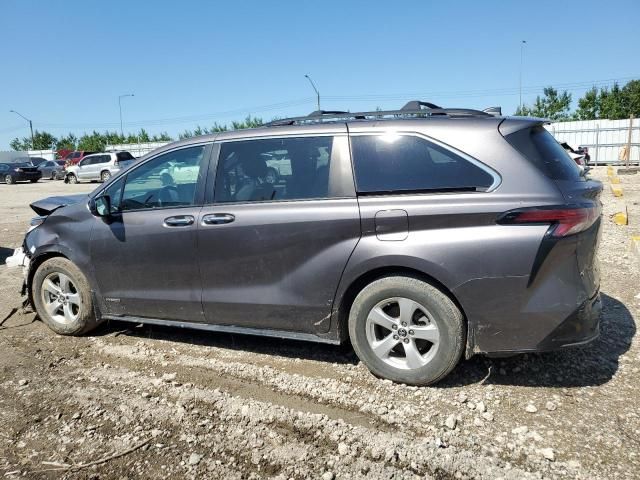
{"type": "Point", "coordinates": [99, 166]}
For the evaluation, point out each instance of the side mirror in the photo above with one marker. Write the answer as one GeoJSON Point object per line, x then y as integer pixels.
{"type": "Point", "coordinates": [102, 206]}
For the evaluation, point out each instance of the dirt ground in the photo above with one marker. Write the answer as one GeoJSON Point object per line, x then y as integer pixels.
{"type": "Point", "coordinates": [147, 402]}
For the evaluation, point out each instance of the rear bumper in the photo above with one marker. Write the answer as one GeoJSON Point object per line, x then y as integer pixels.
{"type": "Point", "coordinates": [579, 328]}
{"type": "Point", "coordinates": [23, 177]}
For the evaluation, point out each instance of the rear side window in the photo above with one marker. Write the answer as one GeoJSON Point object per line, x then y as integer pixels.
{"type": "Point", "coordinates": [260, 170]}
{"type": "Point", "coordinates": [396, 163]}
{"type": "Point", "coordinates": [544, 151]}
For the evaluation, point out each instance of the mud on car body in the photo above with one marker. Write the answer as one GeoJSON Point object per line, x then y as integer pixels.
{"type": "Point", "coordinates": [420, 235]}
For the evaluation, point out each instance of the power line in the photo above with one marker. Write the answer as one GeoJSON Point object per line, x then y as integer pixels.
{"type": "Point", "coordinates": [493, 91]}
{"type": "Point", "coordinates": [222, 115]}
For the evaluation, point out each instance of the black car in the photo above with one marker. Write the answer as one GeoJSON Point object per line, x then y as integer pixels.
{"type": "Point", "coordinates": [19, 172]}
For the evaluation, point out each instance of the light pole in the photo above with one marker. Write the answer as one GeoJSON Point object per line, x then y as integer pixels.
{"type": "Point", "coordinates": [522, 44]}
{"type": "Point", "coordinates": [30, 126]}
{"type": "Point", "coordinates": [316, 90]}
{"type": "Point", "coordinates": [120, 107]}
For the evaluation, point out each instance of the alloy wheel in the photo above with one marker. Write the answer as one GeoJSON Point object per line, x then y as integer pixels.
{"type": "Point", "coordinates": [61, 298]}
{"type": "Point", "coordinates": [402, 333]}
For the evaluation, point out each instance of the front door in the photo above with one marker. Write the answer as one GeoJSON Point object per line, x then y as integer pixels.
{"type": "Point", "coordinates": [282, 224]}
{"type": "Point", "coordinates": [144, 255]}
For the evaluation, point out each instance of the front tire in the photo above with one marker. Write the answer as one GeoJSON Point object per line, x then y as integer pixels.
{"type": "Point", "coordinates": [62, 297]}
{"type": "Point", "coordinates": [71, 178]}
{"type": "Point", "coordinates": [406, 330]}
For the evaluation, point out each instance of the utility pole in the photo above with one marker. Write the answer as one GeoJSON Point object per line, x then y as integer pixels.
{"type": "Point", "coordinates": [120, 108]}
{"type": "Point", "coordinates": [30, 126]}
{"type": "Point", "coordinates": [316, 90]}
{"type": "Point", "coordinates": [522, 44]}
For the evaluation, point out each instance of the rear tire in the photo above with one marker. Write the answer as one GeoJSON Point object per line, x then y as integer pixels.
{"type": "Point", "coordinates": [106, 175]}
{"type": "Point", "coordinates": [406, 330]}
{"type": "Point", "coordinates": [8, 179]}
{"type": "Point", "coordinates": [34, 181]}
{"type": "Point", "coordinates": [71, 178]}
{"type": "Point", "coordinates": [62, 297]}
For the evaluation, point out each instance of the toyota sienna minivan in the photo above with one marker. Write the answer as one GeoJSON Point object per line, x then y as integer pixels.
{"type": "Point", "coordinates": [419, 235]}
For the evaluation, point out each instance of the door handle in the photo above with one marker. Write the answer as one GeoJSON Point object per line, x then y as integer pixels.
{"type": "Point", "coordinates": [179, 221]}
{"type": "Point", "coordinates": [217, 218]}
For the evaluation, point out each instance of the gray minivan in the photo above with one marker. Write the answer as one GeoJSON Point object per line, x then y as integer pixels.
{"type": "Point", "coordinates": [420, 235]}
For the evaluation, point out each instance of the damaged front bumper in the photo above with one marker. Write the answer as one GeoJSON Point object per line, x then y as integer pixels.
{"type": "Point", "coordinates": [20, 259]}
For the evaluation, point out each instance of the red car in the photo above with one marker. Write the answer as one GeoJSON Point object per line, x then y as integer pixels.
{"type": "Point", "coordinates": [73, 158]}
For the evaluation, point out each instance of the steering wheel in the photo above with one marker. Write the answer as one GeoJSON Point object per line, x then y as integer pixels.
{"type": "Point", "coordinates": [165, 198]}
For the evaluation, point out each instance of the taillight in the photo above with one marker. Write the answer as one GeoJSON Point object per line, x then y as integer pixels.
{"type": "Point", "coordinates": [564, 220]}
{"type": "Point", "coordinates": [117, 163]}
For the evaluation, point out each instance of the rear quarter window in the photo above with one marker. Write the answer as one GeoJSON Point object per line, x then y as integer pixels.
{"type": "Point", "coordinates": [544, 151]}
{"type": "Point", "coordinates": [407, 163]}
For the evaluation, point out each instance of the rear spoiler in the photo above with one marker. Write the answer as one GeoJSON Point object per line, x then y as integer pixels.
{"type": "Point", "coordinates": [514, 124]}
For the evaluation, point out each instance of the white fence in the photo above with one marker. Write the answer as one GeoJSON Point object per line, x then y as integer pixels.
{"type": "Point", "coordinates": [136, 149]}
{"type": "Point", "coordinates": [605, 138]}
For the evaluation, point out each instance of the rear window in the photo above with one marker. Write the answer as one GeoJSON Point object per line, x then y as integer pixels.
{"type": "Point", "coordinates": [124, 156]}
{"type": "Point", "coordinates": [543, 150]}
{"type": "Point", "coordinates": [392, 163]}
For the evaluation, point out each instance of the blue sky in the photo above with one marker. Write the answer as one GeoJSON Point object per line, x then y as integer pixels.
{"type": "Point", "coordinates": [65, 63]}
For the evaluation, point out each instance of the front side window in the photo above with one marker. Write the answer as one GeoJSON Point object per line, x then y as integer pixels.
{"type": "Point", "coordinates": [396, 163]}
{"type": "Point", "coordinates": [168, 180]}
{"type": "Point", "coordinates": [274, 169]}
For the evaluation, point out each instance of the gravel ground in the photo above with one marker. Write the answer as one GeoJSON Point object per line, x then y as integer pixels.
{"type": "Point", "coordinates": [149, 402]}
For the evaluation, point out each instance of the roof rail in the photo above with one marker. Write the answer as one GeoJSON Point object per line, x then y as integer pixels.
{"type": "Point", "coordinates": [417, 105]}
{"type": "Point", "coordinates": [496, 111]}
{"type": "Point", "coordinates": [410, 109]}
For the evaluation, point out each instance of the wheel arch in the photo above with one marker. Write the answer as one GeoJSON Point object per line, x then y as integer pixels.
{"type": "Point", "coordinates": [356, 285]}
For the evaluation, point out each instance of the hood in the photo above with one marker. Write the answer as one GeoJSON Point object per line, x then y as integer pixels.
{"type": "Point", "coordinates": [47, 206]}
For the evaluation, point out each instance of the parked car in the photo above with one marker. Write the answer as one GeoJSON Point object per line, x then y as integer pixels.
{"type": "Point", "coordinates": [37, 161]}
{"type": "Point", "coordinates": [420, 235]}
{"type": "Point", "coordinates": [99, 166]}
{"type": "Point", "coordinates": [52, 169]}
{"type": "Point", "coordinates": [72, 158]}
{"type": "Point", "coordinates": [19, 172]}
{"type": "Point", "coordinates": [578, 156]}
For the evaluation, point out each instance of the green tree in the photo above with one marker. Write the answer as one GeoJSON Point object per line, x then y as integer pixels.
{"type": "Point", "coordinates": [67, 142]}
{"type": "Point", "coordinates": [551, 105]}
{"type": "Point", "coordinates": [588, 106]}
{"type": "Point", "coordinates": [20, 145]}
{"type": "Point", "coordinates": [631, 98]}
{"type": "Point", "coordinates": [93, 142]}
{"type": "Point", "coordinates": [249, 122]}
{"type": "Point", "coordinates": [612, 105]}
{"type": "Point", "coordinates": [41, 141]}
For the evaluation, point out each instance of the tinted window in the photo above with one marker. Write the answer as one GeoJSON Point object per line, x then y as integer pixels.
{"type": "Point", "coordinates": [124, 156]}
{"type": "Point", "coordinates": [3, 167]}
{"type": "Point", "coordinates": [115, 194]}
{"type": "Point", "coordinates": [388, 163]}
{"type": "Point", "coordinates": [166, 181]}
{"type": "Point", "coordinates": [541, 148]}
{"type": "Point", "coordinates": [274, 169]}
